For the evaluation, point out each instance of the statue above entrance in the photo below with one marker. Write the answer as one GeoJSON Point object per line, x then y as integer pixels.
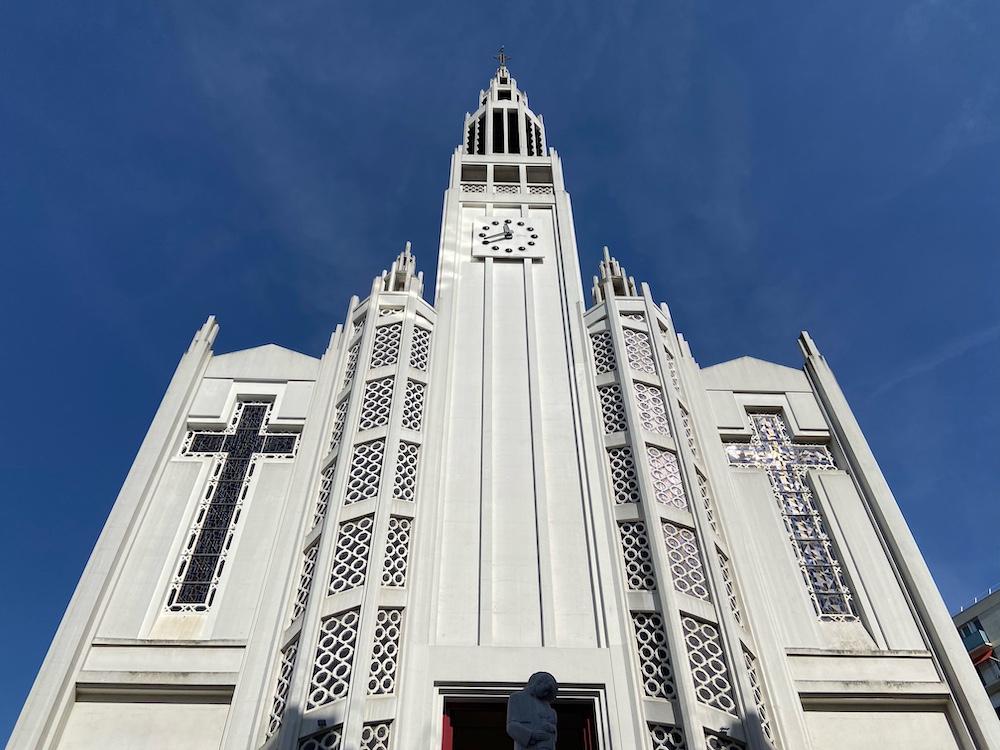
{"type": "Point", "coordinates": [531, 720]}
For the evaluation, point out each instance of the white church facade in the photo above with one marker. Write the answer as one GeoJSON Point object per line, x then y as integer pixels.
{"type": "Point", "coordinates": [373, 549]}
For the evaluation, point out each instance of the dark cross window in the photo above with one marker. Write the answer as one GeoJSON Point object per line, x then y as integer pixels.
{"type": "Point", "coordinates": [236, 451]}
{"type": "Point", "coordinates": [786, 464]}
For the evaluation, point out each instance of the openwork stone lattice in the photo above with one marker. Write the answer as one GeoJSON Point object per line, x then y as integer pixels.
{"type": "Point", "coordinates": [338, 424]}
{"type": "Point", "coordinates": [666, 737]}
{"type": "Point", "coordinates": [758, 695]}
{"type": "Point", "coordinates": [706, 500]}
{"type": "Point", "coordinates": [507, 189]}
{"type": "Point", "coordinates": [305, 581]}
{"type": "Point", "coordinates": [413, 405]}
{"type": "Point", "coordinates": [236, 451]}
{"type": "Point", "coordinates": [623, 477]}
{"type": "Point", "coordinates": [685, 561]}
{"type": "Point", "coordinates": [385, 350]}
{"type": "Point", "coordinates": [786, 464]}
{"type": "Point", "coordinates": [323, 496]}
{"type": "Point", "coordinates": [385, 652]}
{"type": "Point", "coordinates": [652, 410]}
{"type": "Point", "coordinates": [727, 578]}
{"type": "Point", "coordinates": [473, 187]}
{"type": "Point", "coordinates": [385, 312]}
{"type": "Point", "coordinates": [540, 189]}
{"type": "Point", "coordinates": [397, 549]}
{"type": "Point", "coordinates": [667, 485]}
{"type": "Point", "coordinates": [672, 366]}
{"type": "Point", "coordinates": [686, 421]}
{"type": "Point", "coordinates": [654, 656]}
{"type": "Point", "coordinates": [636, 556]}
{"type": "Point", "coordinates": [640, 354]}
{"type": "Point", "coordinates": [718, 742]}
{"type": "Point", "coordinates": [404, 484]}
{"type": "Point", "coordinates": [376, 404]}
{"type": "Point", "coordinates": [366, 471]}
{"type": "Point", "coordinates": [352, 363]}
{"type": "Point", "coordinates": [708, 665]}
{"type": "Point", "coordinates": [328, 739]}
{"type": "Point", "coordinates": [604, 351]}
{"type": "Point", "coordinates": [420, 349]}
{"type": "Point", "coordinates": [281, 690]}
{"type": "Point", "coordinates": [637, 317]}
{"type": "Point", "coordinates": [334, 659]}
{"type": "Point", "coordinates": [375, 736]}
{"type": "Point", "coordinates": [613, 408]}
{"type": "Point", "coordinates": [350, 557]}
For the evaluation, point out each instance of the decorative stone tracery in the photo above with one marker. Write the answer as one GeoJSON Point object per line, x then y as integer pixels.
{"type": "Point", "coordinates": [350, 562]}
{"type": "Point", "coordinates": [786, 463]}
{"type": "Point", "coordinates": [385, 652]}
{"type": "Point", "coordinates": [236, 452]}
{"type": "Point", "coordinates": [623, 476]}
{"type": "Point", "coordinates": [636, 556]}
{"type": "Point", "coordinates": [654, 655]}
{"type": "Point", "coordinates": [666, 737]}
{"type": "Point", "coordinates": [366, 471]}
{"type": "Point", "coordinates": [708, 665]}
{"type": "Point", "coordinates": [334, 659]}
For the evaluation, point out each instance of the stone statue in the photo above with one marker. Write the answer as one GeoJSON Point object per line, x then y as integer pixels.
{"type": "Point", "coordinates": [531, 720]}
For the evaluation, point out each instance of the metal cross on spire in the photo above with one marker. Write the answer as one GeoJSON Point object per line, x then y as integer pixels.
{"type": "Point", "coordinates": [503, 57]}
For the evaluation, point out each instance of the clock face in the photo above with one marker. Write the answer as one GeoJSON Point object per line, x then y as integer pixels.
{"type": "Point", "coordinates": [507, 238]}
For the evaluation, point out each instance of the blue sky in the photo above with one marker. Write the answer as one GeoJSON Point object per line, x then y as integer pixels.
{"type": "Point", "coordinates": [766, 167]}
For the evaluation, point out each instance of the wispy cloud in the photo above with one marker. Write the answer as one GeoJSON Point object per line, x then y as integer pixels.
{"type": "Point", "coordinates": [935, 359]}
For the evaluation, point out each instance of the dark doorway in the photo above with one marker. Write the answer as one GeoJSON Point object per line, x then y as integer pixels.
{"type": "Point", "coordinates": [481, 725]}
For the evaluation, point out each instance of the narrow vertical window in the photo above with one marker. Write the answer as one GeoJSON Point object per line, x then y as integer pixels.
{"type": "Point", "coordinates": [498, 139]}
{"type": "Point", "coordinates": [481, 135]}
{"type": "Point", "coordinates": [512, 135]}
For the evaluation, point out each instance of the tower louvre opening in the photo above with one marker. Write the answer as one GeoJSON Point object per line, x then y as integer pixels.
{"type": "Point", "coordinates": [512, 134]}
{"type": "Point", "coordinates": [498, 134]}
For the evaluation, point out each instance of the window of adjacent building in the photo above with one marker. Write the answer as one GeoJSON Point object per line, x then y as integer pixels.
{"type": "Point", "coordinates": [989, 672]}
{"type": "Point", "coordinates": [970, 628]}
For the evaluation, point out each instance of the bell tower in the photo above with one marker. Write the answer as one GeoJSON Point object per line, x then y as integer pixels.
{"type": "Point", "coordinates": [508, 291]}
{"type": "Point", "coordinates": [569, 523]}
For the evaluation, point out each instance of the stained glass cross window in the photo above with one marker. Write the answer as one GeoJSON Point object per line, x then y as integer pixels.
{"type": "Point", "coordinates": [236, 451]}
{"type": "Point", "coordinates": [786, 463]}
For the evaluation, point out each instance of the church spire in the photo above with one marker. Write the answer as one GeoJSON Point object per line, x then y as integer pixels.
{"type": "Point", "coordinates": [503, 123]}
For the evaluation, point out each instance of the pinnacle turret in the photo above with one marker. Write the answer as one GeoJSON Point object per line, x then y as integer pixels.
{"type": "Point", "coordinates": [403, 276]}
{"type": "Point", "coordinates": [614, 281]}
